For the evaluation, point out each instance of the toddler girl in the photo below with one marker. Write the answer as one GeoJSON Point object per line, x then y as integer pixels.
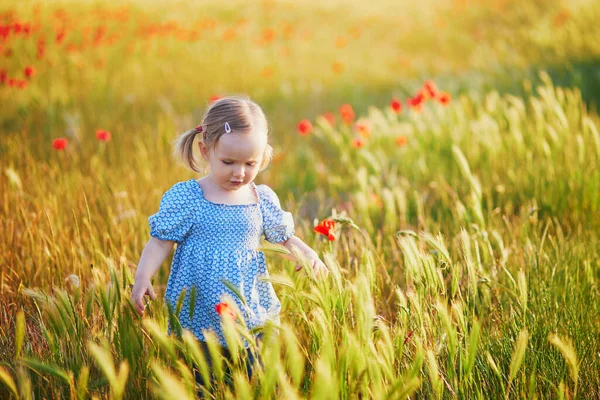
{"type": "Point", "coordinates": [217, 222]}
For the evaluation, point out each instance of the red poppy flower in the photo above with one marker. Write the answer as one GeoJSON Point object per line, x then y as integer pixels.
{"type": "Point", "coordinates": [444, 98]}
{"type": "Point", "coordinates": [430, 89]}
{"type": "Point", "coordinates": [29, 71]}
{"type": "Point", "coordinates": [376, 200]}
{"type": "Point", "coordinates": [338, 67]}
{"type": "Point", "coordinates": [225, 310]}
{"type": "Point", "coordinates": [60, 143]}
{"type": "Point", "coordinates": [424, 94]}
{"type": "Point", "coordinates": [416, 103]}
{"type": "Point", "coordinates": [267, 72]}
{"type": "Point", "coordinates": [41, 46]}
{"type": "Point", "coordinates": [561, 18]}
{"type": "Point", "coordinates": [102, 135]}
{"type": "Point", "coordinates": [214, 97]}
{"type": "Point", "coordinates": [347, 113]}
{"type": "Point", "coordinates": [268, 35]}
{"type": "Point", "coordinates": [229, 34]}
{"type": "Point", "coordinates": [4, 32]}
{"type": "Point", "coordinates": [71, 48]}
{"type": "Point", "coordinates": [3, 76]}
{"type": "Point", "coordinates": [416, 100]}
{"type": "Point", "coordinates": [363, 129]}
{"type": "Point", "coordinates": [60, 36]}
{"type": "Point", "coordinates": [401, 141]}
{"type": "Point", "coordinates": [358, 143]}
{"type": "Point", "coordinates": [304, 127]}
{"type": "Point", "coordinates": [340, 42]}
{"type": "Point", "coordinates": [330, 117]}
{"type": "Point", "coordinates": [396, 105]}
{"type": "Point", "coordinates": [22, 83]}
{"type": "Point", "coordinates": [326, 228]}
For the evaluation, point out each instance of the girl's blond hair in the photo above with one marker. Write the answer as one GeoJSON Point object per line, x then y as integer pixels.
{"type": "Point", "coordinates": [241, 115]}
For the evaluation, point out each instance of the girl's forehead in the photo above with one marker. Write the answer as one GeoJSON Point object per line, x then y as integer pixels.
{"type": "Point", "coordinates": [238, 146]}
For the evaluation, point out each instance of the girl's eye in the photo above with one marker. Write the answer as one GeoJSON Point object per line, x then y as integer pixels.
{"type": "Point", "coordinates": [227, 162]}
{"type": "Point", "coordinates": [251, 164]}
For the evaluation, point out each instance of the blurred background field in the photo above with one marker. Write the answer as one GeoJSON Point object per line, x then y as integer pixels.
{"type": "Point", "coordinates": [460, 137]}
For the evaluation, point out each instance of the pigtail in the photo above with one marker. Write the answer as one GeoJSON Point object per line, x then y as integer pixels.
{"type": "Point", "coordinates": [184, 148]}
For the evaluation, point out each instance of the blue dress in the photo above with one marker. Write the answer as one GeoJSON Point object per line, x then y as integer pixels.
{"type": "Point", "coordinates": [215, 242]}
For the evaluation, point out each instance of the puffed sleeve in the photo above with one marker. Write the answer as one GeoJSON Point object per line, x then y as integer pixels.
{"type": "Point", "coordinates": [278, 225]}
{"type": "Point", "coordinates": [175, 216]}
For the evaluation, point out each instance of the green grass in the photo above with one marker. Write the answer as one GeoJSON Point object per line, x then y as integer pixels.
{"type": "Point", "coordinates": [474, 269]}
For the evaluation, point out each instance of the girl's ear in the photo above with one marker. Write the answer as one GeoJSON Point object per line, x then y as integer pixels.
{"type": "Point", "coordinates": [203, 150]}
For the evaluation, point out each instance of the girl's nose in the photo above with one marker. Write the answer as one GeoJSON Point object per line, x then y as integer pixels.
{"type": "Point", "coordinates": [239, 172]}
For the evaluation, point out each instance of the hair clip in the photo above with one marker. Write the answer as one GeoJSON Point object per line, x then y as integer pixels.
{"type": "Point", "coordinates": [199, 129]}
{"type": "Point", "coordinates": [227, 127]}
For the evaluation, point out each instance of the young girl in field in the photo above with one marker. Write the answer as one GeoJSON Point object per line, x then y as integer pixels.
{"type": "Point", "coordinates": [217, 222]}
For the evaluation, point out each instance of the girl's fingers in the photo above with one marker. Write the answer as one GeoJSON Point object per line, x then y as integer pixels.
{"type": "Point", "coordinates": [150, 292]}
{"type": "Point", "coordinates": [317, 266]}
{"type": "Point", "coordinates": [137, 307]}
{"type": "Point", "coordinates": [137, 296]}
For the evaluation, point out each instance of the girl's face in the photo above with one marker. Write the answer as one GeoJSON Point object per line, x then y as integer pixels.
{"type": "Point", "coordinates": [236, 158]}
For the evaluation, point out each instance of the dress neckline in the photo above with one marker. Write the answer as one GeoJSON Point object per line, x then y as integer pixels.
{"type": "Point", "coordinates": [225, 204]}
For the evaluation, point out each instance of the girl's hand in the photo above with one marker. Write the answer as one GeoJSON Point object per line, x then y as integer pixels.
{"type": "Point", "coordinates": [141, 289]}
{"type": "Point", "coordinates": [319, 268]}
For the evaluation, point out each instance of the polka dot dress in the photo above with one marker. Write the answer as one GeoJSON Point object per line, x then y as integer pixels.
{"type": "Point", "coordinates": [215, 242]}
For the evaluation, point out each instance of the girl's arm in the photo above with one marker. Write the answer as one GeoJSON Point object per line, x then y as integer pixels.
{"type": "Point", "coordinates": [317, 265]}
{"type": "Point", "coordinates": [153, 255]}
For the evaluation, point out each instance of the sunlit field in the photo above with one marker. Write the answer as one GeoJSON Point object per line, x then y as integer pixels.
{"type": "Point", "coordinates": [453, 147]}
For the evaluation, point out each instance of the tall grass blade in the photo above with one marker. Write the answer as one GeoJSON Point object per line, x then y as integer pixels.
{"type": "Point", "coordinates": [82, 382]}
{"type": "Point", "coordinates": [19, 333]}
{"type": "Point", "coordinates": [7, 379]}
{"type": "Point", "coordinates": [36, 365]}
{"type": "Point", "coordinates": [193, 295]}
{"type": "Point", "coordinates": [570, 355]}
{"type": "Point", "coordinates": [235, 291]}
{"type": "Point", "coordinates": [169, 386]}
{"type": "Point", "coordinates": [518, 356]}
{"type": "Point", "coordinates": [472, 347]}
{"type": "Point", "coordinates": [104, 360]}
